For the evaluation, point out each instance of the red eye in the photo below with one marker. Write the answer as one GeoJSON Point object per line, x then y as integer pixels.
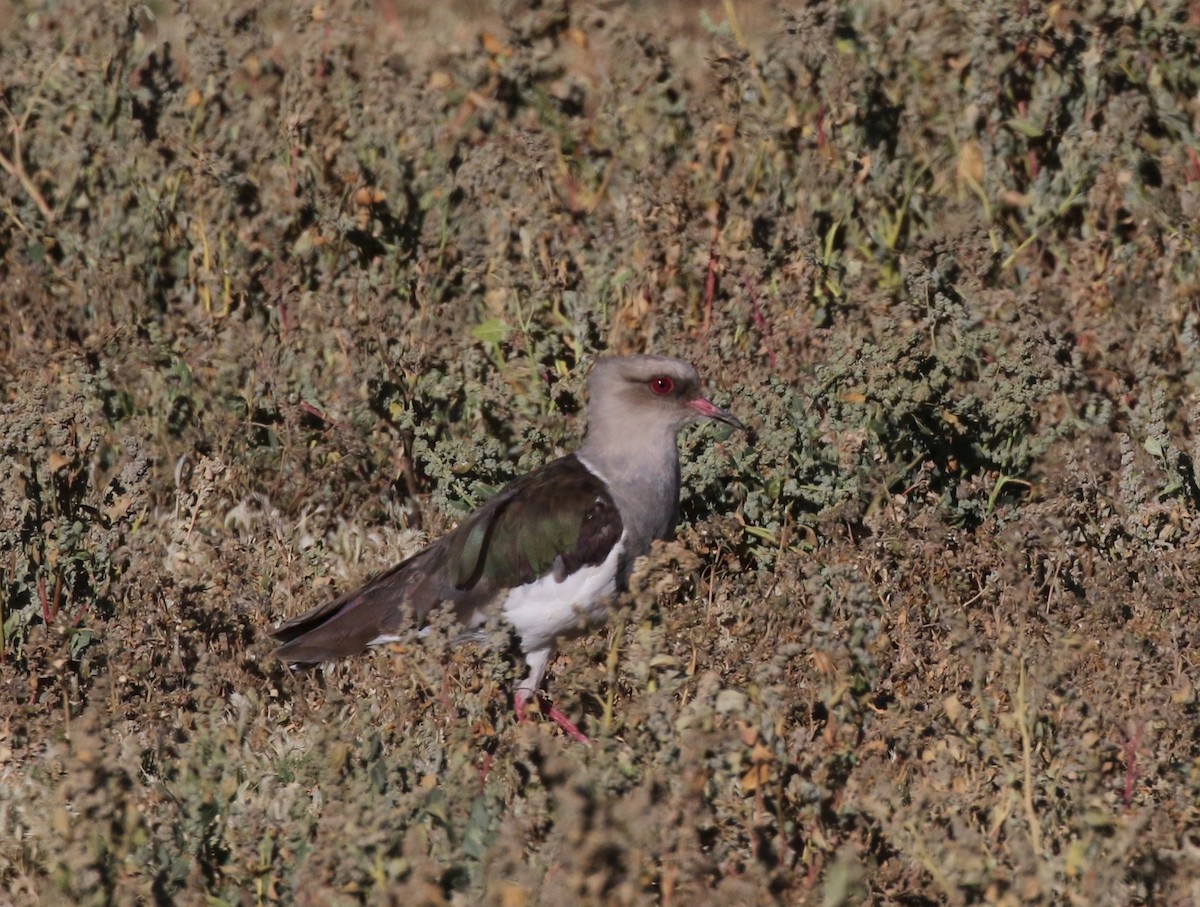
{"type": "Point", "coordinates": [662, 385]}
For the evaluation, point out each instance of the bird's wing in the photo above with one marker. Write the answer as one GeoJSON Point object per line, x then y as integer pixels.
{"type": "Point", "coordinates": [555, 520]}
{"type": "Point", "coordinates": [558, 519]}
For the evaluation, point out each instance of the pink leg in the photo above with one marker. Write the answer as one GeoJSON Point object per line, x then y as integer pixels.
{"type": "Point", "coordinates": [569, 726]}
{"type": "Point", "coordinates": [558, 717]}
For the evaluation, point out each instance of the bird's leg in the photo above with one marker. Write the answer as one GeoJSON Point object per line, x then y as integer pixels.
{"type": "Point", "coordinates": [568, 725]}
{"type": "Point", "coordinates": [523, 696]}
{"type": "Point", "coordinates": [519, 701]}
{"type": "Point", "coordinates": [529, 687]}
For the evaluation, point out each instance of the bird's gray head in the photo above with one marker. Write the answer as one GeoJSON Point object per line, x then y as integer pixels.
{"type": "Point", "coordinates": [647, 396]}
{"type": "Point", "coordinates": [636, 406]}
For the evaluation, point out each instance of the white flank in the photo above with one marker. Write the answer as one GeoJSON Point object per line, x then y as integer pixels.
{"type": "Point", "coordinates": [390, 637]}
{"type": "Point", "coordinates": [387, 638]}
{"type": "Point", "coordinates": [546, 609]}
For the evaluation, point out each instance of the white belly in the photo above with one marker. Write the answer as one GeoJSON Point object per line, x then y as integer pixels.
{"type": "Point", "coordinates": [544, 610]}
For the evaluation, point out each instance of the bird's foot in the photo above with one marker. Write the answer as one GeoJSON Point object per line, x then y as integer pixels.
{"type": "Point", "coordinates": [568, 725]}
{"type": "Point", "coordinates": [551, 712]}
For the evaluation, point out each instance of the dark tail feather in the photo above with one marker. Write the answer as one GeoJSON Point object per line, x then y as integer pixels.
{"type": "Point", "coordinates": [329, 633]}
{"type": "Point", "coordinates": [349, 624]}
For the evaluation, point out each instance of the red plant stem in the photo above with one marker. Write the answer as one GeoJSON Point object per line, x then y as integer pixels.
{"type": "Point", "coordinates": [320, 414]}
{"type": "Point", "coordinates": [81, 613]}
{"type": "Point", "coordinates": [285, 322]}
{"type": "Point", "coordinates": [58, 588]}
{"type": "Point", "coordinates": [1131, 766]}
{"type": "Point", "coordinates": [45, 601]}
{"type": "Point", "coordinates": [485, 767]}
{"type": "Point", "coordinates": [710, 283]}
{"type": "Point", "coordinates": [50, 612]}
{"type": "Point", "coordinates": [760, 320]}
{"type": "Point", "coordinates": [1193, 168]}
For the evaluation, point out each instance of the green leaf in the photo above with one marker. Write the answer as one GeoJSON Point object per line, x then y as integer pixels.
{"type": "Point", "coordinates": [80, 640]}
{"type": "Point", "coordinates": [1025, 127]}
{"type": "Point", "coordinates": [494, 330]}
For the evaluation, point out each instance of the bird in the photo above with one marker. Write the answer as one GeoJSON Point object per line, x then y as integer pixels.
{"type": "Point", "coordinates": [550, 549]}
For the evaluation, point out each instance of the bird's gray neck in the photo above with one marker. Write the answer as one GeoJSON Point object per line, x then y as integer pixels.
{"type": "Point", "coordinates": [642, 473]}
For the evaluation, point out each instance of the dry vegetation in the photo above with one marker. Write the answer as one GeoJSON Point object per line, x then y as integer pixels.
{"type": "Point", "coordinates": [288, 287]}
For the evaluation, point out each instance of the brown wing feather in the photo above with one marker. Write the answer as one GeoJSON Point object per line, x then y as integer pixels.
{"type": "Point", "coordinates": [559, 515]}
{"type": "Point", "coordinates": [348, 624]}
